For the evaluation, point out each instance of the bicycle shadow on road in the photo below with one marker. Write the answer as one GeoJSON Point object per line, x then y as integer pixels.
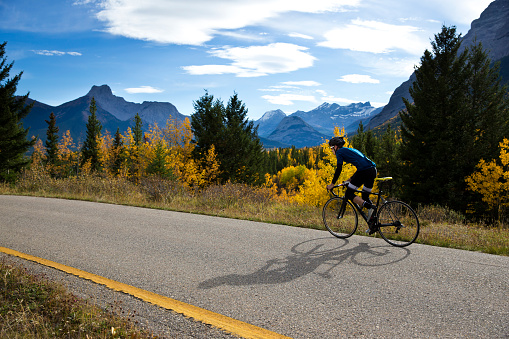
{"type": "Point", "coordinates": [316, 256]}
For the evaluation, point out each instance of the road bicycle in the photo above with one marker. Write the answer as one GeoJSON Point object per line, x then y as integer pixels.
{"type": "Point", "coordinates": [395, 221]}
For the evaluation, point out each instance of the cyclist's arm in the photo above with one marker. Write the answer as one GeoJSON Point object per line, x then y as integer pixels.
{"type": "Point", "coordinates": [339, 168]}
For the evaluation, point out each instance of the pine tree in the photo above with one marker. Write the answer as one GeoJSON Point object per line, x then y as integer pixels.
{"type": "Point", "coordinates": [365, 142]}
{"type": "Point", "coordinates": [488, 105]}
{"type": "Point", "coordinates": [242, 158]}
{"type": "Point", "coordinates": [138, 131]}
{"type": "Point", "coordinates": [238, 147]}
{"type": "Point", "coordinates": [90, 149]}
{"type": "Point", "coordinates": [13, 136]}
{"type": "Point", "coordinates": [158, 164]}
{"type": "Point", "coordinates": [116, 150]}
{"type": "Point", "coordinates": [52, 141]}
{"type": "Point", "coordinates": [207, 125]}
{"type": "Point", "coordinates": [444, 127]}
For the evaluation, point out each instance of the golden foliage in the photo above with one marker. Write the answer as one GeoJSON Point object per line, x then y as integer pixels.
{"type": "Point", "coordinates": [491, 180]}
{"type": "Point", "coordinates": [307, 186]}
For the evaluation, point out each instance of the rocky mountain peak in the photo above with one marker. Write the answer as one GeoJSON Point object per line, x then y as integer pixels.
{"type": "Point", "coordinates": [100, 92]}
{"type": "Point", "coordinates": [492, 29]}
{"type": "Point", "coordinates": [273, 114]}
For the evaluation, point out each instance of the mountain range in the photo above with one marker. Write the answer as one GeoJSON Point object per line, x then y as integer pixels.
{"type": "Point", "coordinates": [275, 128]}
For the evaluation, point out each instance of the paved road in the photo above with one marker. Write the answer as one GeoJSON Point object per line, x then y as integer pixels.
{"type": "Point", "coordinates": [298, 282]}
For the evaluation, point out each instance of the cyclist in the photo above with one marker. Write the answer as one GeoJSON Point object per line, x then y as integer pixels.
{"type": "Point", "coordinates": [365, 175]}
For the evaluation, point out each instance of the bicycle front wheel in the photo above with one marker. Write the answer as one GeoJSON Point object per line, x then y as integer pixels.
{"type": "Point", "coordinates": [340, 223]}
{"type": "Point", "coordinates": [398, 223]}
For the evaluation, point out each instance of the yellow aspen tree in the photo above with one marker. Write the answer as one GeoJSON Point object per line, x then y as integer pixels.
{"type": "Point", "coordinates": [67, 155]}
{"type": "Point", "coordinates": [210, 167]}
{"type": "Point", "coordinates": [491, 180]}
{"type": "Point", "coordinates": [313, 191]}
{"type": "Point", "coordinates": [135, 155]}
{"type": "Point", "coordinates": [104, 143]}
{"type": "Point", "coordinates": [38, 157]}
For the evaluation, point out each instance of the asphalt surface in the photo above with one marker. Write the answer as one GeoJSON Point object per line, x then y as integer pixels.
{"type": "Point", "coordinates": [297, 282]}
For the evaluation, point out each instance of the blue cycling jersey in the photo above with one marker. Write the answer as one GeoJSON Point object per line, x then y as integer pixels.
{"type": "Point", "coordinates": [354, 157]}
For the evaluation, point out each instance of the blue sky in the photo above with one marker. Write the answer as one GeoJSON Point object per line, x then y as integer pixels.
{"type": "Point", "coordinates": [275, 54]}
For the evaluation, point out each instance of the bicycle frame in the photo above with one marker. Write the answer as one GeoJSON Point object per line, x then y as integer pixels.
{"type": "Point", "coordinates": [379, 199]}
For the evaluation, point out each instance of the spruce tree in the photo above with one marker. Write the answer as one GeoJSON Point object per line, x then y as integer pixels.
{"type": "Point", "coordinates": [207, 125]}
{"type": "Point", "coordinates": [52, 140]}
{"type": "Point", "coordinates": [138, 130]}
{"type": "Point", "coordinates": [116, 150]}
{"type": "Point", "coordinates": [13, 136]}
{"type": "Point", "coordinates": [238, 147]}
{"type": "Point", "coordinates": [90, 149]}
{"type": "Point", "coordinates": [242, 160]}
{"type": "Point", "coordinates": [488, 106]}
{"type": "Point", "coordinates": [446, 128]}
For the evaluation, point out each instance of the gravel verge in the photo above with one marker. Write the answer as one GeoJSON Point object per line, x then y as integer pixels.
{"type": "Point", "coordinates": [161, 322]}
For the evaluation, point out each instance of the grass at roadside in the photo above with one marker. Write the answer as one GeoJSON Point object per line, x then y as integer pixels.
{"type": "Point", "coordinates": [33, 307]}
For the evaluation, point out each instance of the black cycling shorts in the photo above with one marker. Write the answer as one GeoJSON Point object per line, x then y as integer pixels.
{"type": "Point", "coordinates": [365, 177]}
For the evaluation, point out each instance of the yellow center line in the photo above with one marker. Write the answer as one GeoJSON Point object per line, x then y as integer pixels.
{"type": "Point", "coordinates": [225, 323]}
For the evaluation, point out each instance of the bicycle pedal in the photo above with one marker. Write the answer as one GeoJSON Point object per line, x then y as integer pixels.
{"type": "Point", "coordinates": [370, 231]}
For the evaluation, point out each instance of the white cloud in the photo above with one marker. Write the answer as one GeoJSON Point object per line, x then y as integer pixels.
{"type": "Point", "coordinates": [197, 21]}
{"type": "Point", "coordinates": [375, 37]}
{"type": "Point", "coordinates": [359, 79]}
{"type": "Point", "coordinates": [399, 67]}
{"type": "Point", "coordinates": [257, 61]}
{"type": "Point", "coordinates": [143, 89]}
{"type": "Point", "coordinates": [301, 36]}
{"type": "Point", "coordinates": [55, 53]}
{"type": "Point", "coordinates": [288, 99]}
{"type": "Point", "coordinates": [307, 83]}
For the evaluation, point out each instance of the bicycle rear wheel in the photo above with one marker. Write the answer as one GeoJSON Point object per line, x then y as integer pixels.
{"type": "Point", "coordinates": [341, 224]}
{"type": "Point", "coordinates": [398, 223]}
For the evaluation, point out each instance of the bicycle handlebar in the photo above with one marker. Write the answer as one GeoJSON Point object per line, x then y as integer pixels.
{"type": "Point", "coordinates": [336, 186]}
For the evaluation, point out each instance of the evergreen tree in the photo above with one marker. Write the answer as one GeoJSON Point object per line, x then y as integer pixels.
{"type": "Point", "coordinates": [365, 142]}
{"type": "Point", "coordinates": [207, 125]}
{"type": "Point", "coordinates": [488, 106]}
{"type": "Point", "coordinates": [117, 153]}
{"type": "Point", "coordinates": [441, 131]}
{"type": "Point", "coordinates": [138, 131]}
{"type": "Point", "coordinates": [158, 164]}
{"type": "Point", "coordinates": [52, 140]}
{"type": "Point", "coordinates": [242, 159]}
{"type": "Point", "coordinates": [90, 149]}
{"type": "Point", "coordinates": [13, 137]}
{"type": "Point", "coordinates": [238, 147]}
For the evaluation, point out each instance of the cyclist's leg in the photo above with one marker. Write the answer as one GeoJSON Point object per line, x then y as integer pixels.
{"type": "Point", "coordinates": [369, 181]}
{"type": "Point", "coordinates": [366, 178]}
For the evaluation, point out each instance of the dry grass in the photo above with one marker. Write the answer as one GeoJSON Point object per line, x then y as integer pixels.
{"type": "Point", "coordinates": [439, 226]}
{"type": "Point", "coordinates": [32, 307]}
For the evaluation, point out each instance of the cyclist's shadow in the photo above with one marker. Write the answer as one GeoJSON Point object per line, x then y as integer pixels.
{"type": "Point", "coordinates": [311, 256]}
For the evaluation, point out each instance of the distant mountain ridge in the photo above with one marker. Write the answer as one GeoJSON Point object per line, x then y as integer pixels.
{"type": "Point", "coordinates": [293, 130]}
{"type": "Point", "coordinates": [149, 111]}
{"type": "Point", "coordinates": [322, 119]}
{"type": "Point", "coordinates": [112, 111]}
{"type": "Point", "coordinates": [308, 128]}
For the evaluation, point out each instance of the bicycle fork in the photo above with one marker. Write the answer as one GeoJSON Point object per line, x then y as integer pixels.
{"type": "Point", "coordinates": [342, 209]}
